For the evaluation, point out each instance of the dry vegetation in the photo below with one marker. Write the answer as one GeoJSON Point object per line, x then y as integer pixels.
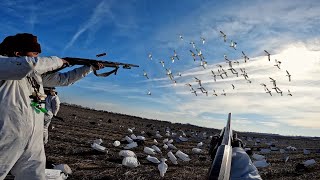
{"type": "Point", "coordinates": [69, 143]}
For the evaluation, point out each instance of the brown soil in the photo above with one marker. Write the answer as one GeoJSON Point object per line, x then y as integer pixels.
{"type": "Point", "coordinates": [70, 140]}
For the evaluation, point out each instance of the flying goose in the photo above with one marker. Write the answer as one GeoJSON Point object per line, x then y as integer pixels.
{"type": "Point", "coordinates": [224, 36]}
{"type": "Point", "coordinates": [245, 57]}
{"type": "Point", "coordinates": [268, 54]}
{"type": "Point", "coordinates": [289, 75]}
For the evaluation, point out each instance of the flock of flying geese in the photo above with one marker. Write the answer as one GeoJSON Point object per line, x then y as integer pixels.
{"type": "Point", "coordinates": [221, 72]}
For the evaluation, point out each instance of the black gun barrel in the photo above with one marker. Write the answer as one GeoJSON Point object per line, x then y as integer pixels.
{"type": "Point", "coordinates": [221, 166]}
{"type": "Point", "coordinates": [84, 61]}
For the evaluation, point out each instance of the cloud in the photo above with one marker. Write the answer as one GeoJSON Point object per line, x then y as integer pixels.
{"type": "Point", "coordinates": [99, 15]}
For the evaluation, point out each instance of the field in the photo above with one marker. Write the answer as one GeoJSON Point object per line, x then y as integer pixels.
{"type": "Point", "coordinates": [70, 140]}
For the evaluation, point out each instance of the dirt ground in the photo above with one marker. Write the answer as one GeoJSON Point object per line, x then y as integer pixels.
{"type": "Point", "coordinates": [70, 140]}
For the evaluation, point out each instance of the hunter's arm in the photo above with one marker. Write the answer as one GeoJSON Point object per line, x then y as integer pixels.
{"type": "Point", "coordinates": [67, 78]}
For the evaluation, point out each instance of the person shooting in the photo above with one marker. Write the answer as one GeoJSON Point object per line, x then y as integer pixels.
{"type": "Point", "coordinates": [23, 74]}
{"type": "Point", "coordinates": [52, 106]}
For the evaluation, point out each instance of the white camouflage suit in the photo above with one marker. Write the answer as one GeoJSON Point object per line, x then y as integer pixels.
{"type": "Point", "coordinates": [53, 106]}
{"type": "Point", "coordinates": [21, 127]}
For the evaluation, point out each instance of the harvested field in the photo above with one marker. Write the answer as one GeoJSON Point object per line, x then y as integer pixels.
{"type": "Point", "coordinates": [70, 140]}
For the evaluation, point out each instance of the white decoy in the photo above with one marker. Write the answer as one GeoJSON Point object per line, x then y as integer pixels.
{"type": "Point", "coordinates": [128, 139]}
{"type": "Point", "coordinates": [149, 151]}
{"type": "Point", "coordinates": [158, 135]}
{"type": "Point", "coordinates": [172, 157]}
{"type": "Point", "coordinates": [182, 156]}
{"type": "Point", "coordinates": [196, 150]}
{"type": "Point", "coordinates": [131, 145]}
{"type": "Point", "coordinates": [200, 144]}
{"type": "Point", "coordinates": [131, 162]}
{"type": "Point", "coordinates": [258, 157]}
{"type": "Point", "coordinates": [130, 130]}
{"type": "Point", "coordinates": [265, 150]}
{"type": "Point", "coordinates": [168, 134]}
{"type": "Point", "coordinates": [156, 148]}
{"type": "Point", "coordinates": [127, 153]}
{"type": "Point", "coordinates": [165, 140]}
{"type": "Point", "coordinates": [133, 137]}
{"type": "Point", "coordinates": [309, 162]}
{"type": "Point", "coordinates": [116, 143]}
{"type": "Point", "coordinates": [262, 163]}
{"type": "Point", "coordinates": [142, 132]}
{"type": "Point", "coordinates": [165, 146]}
{"type": "Point", "coordinates": [98, 141]}
{"type": "Point", "coordinates": [141, 138]}
{"type": "Point", "coordinates": [171, 146]}
{"type": "Point", "coordinates": [64, 168]}
{"type": "Point", "coordinates": [153, 159]}
{"type": "Point", "coordinates": [170, 141]}
{"type": "Point", "coordinates": [286, 158]}
{"type": "Point", "coordinates": [183, 139]}
{"type": "Point", "coordinates": [163, 167]}
{"type": "Point", "coordinates": [155, 141]}
{"type": "Point", "coordinates": [305, 151]}
{"type": "Point", "coordinates": [98, 147]}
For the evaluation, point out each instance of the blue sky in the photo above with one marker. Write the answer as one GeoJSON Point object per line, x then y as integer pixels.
{"type": "Point", "coordinates": [129, 30]}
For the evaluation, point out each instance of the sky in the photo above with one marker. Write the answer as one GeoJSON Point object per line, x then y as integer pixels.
{"type": "Point", "coordinates": [129, 30]}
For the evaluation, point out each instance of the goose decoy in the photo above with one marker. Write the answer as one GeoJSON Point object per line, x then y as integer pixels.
{"type": "Point", "coordinates": [163, 167]}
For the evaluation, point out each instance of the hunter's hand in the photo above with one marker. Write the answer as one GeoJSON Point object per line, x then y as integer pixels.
{"type": "Point", "coordinates": [65, 62]}
{"type": "Point", "coordinates": [97, 66]}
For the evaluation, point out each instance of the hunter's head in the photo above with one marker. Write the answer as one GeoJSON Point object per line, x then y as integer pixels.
{"type": "Point", "coordinates": [23, 44]}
